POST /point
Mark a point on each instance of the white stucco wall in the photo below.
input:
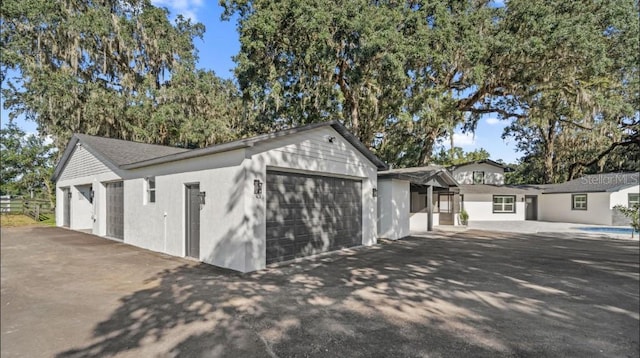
(622, 197)
(82, 213)
(419, 221)
(492, 174)
(557, 207)
(480, 208)
(393, 209)
(161, 226)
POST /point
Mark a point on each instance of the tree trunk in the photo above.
(549, 148)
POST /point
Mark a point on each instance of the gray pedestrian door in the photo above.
(192, 219)
(66, 207)
(115, 210)
(531, 207)
(308, 214)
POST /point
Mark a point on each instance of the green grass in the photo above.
(23, 220)
(51, 221)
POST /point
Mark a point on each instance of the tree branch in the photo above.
(572, 168)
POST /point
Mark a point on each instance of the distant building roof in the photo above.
(131, 155)
(606, 182)
(498, 189)
(484, 161)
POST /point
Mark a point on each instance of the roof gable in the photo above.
(114, 152)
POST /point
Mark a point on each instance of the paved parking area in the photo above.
(470, 294)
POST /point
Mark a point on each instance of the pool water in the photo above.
(610, 230)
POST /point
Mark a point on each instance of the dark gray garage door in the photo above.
(115, 210)
(308, 214)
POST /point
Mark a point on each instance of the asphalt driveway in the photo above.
(470, 294)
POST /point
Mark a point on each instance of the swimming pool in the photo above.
(608, 230)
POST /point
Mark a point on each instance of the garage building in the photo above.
(239, 205)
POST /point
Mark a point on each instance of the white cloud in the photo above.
(492, 120)
(462, 140)
(47, 139)
(188, 8)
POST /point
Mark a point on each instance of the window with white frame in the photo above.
(504, 204)
(579, 202)
(634, 199)
(151, 189)
(478, 177)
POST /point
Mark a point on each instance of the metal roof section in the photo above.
(132, 155)
(595, 183)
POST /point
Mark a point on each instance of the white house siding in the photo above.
(76, 176)
(557, 207)
(492, 174)
(82, 164)
(480, 208)
(307, 152)
(393, 209)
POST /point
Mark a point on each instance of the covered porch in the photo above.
(416, 199)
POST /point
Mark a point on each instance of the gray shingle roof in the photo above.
(498, 189)
(247, 142)
(123, 152)
(420, 175)
(130, 155)
(606, 182)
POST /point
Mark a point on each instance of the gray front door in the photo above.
(115, 210)
(309, 214)
(66, 207)
(531, 207)
(192, 220)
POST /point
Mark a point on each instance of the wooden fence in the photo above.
(38, 209)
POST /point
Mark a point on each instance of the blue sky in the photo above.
(220, 43)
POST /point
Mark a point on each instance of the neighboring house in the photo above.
(480, 172)
(590, 199)
(239, 205)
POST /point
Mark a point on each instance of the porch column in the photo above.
(429, 208)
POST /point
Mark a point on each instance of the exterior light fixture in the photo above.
(331, 139)
(257, 187)
(201, 196)
(375, 192)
